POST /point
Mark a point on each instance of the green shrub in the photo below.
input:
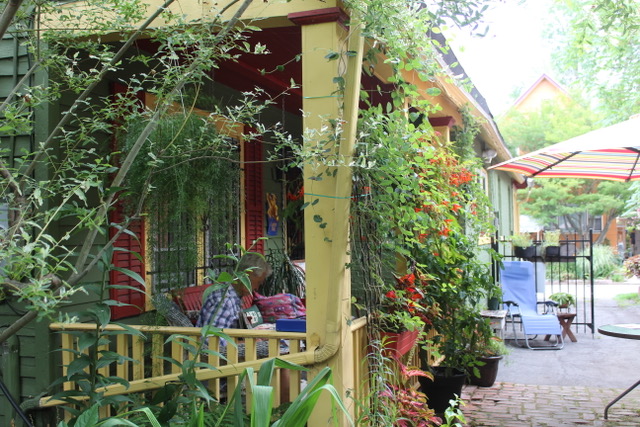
(605, 263)
(626, 300)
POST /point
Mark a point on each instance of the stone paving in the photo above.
(519, 405)
(570, 387)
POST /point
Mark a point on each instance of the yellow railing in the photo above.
(360, 360)
(147, 371)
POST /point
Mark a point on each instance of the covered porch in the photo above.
(324, 51)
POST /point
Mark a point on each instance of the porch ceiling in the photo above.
(273, 71)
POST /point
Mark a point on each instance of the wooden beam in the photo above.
(447, 121)
(319, 16)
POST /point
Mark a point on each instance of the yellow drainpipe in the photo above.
(343, 191)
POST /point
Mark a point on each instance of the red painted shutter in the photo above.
(124, 259)
(130, 261)
(254, 202)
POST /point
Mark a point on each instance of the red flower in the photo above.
(408, 279)
(391, 294)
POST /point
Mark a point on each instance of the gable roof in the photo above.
(538, 83)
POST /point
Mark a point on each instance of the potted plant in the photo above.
(458, 331)
(523, 246)
(402, 335)
(551, 243)
(564, 299)
(494, 299)
(489, 353)
(457, 325)
(400, 316)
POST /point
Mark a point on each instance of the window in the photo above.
(178, 249)
(597, 223)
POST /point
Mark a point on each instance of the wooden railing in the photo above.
(360, 360)
(147, 371)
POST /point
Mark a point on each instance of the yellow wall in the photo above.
(271, 13)
(544, 90)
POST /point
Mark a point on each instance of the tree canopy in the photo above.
(596, 50)
(575, 203)
(597, 46)
(556, 120)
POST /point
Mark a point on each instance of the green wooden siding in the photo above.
(34, 370)
(502, 196)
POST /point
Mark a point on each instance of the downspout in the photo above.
(343, 188)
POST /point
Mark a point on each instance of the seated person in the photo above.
(226, 303)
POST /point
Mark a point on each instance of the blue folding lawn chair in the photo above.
(520, 301)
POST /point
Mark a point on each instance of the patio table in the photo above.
(566, 320)
(629, 331)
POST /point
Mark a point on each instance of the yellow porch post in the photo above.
(328, 192)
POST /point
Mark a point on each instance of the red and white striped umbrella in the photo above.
(611, 153)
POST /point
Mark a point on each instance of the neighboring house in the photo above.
(546, 89)
(294, 27)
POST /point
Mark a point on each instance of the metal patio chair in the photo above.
(520, 301)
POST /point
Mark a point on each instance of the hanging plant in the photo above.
(186, 159)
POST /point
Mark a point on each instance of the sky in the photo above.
(511, 56)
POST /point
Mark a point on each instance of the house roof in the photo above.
(469, 94)
(543, 78)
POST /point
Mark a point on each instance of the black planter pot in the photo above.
(488, 371)
(493, 303)
(443, 388)
(552, 251)
(528, 252)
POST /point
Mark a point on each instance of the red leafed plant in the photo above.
(412, 406)
(632, 265)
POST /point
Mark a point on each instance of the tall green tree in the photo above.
(58, 190)
(556, 120)
(575, 203)
(572, 202)
(597, 47)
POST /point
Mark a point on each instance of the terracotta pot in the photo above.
(488, 371)
(398, 344)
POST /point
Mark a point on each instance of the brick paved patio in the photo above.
(518, 405)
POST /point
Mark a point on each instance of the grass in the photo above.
(626, 300)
